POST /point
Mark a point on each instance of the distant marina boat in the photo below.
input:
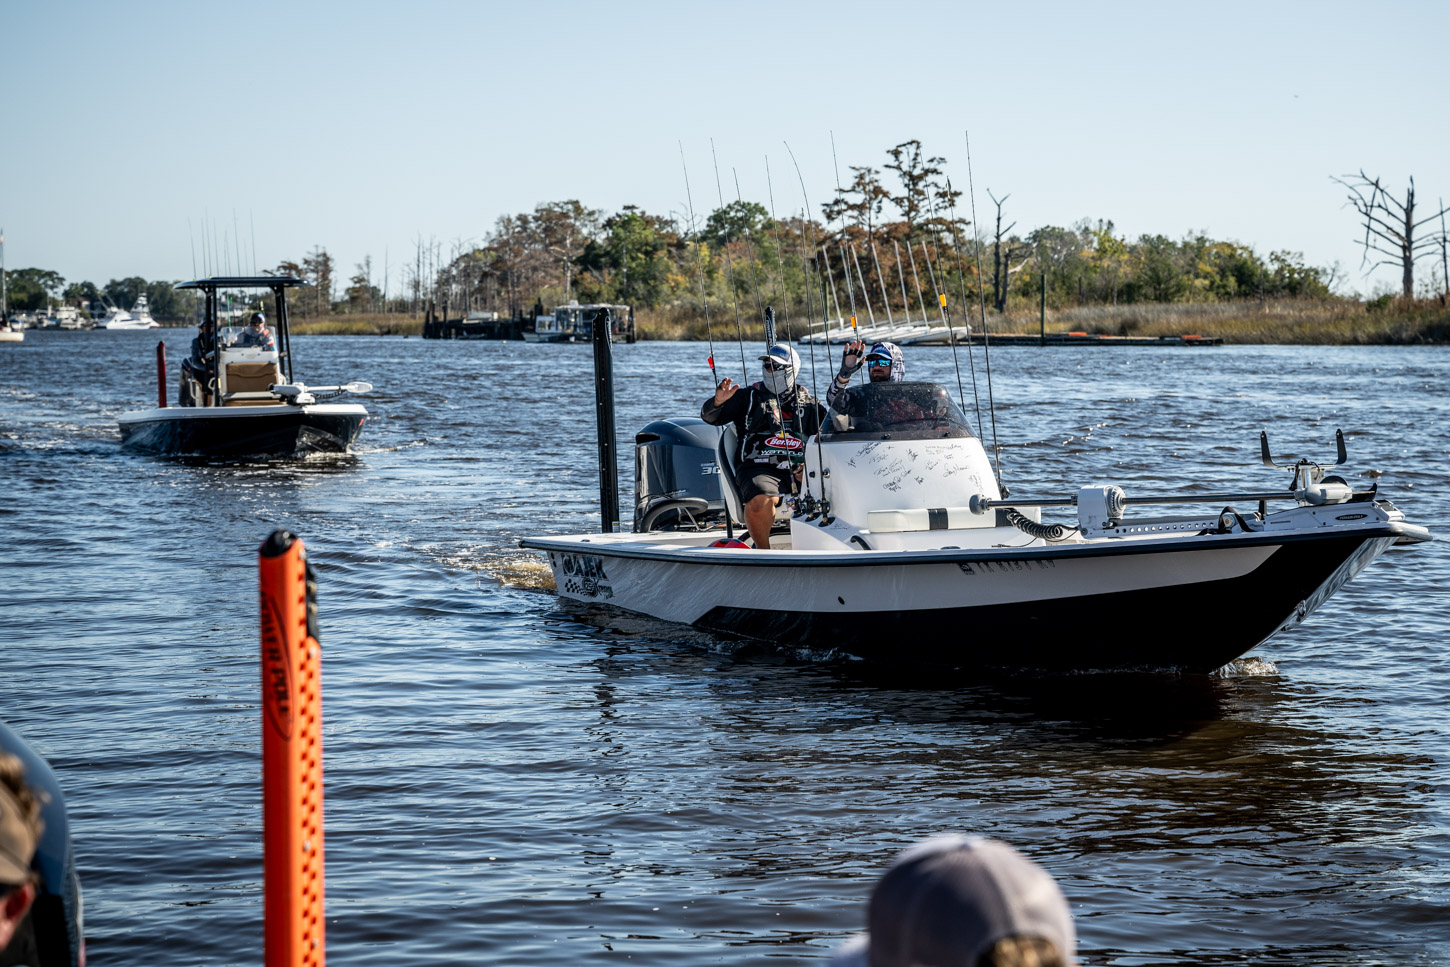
(238, 397)
(11, 334)
(66, 317)
(138, 318)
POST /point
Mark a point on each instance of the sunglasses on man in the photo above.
(878, 362)
(770, 367)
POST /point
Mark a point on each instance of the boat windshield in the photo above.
(895, 411)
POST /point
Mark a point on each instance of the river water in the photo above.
(509, 783)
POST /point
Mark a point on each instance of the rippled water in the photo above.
(512, 781)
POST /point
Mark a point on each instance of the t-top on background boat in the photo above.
(240, 399)
(903, 550)
(138, 318)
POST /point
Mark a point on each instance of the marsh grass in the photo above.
(359, 325)
(1285, 322)
(1335, 322)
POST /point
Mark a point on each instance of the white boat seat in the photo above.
(726, 449)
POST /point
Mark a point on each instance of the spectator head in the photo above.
(963, 900)
(19, 832)
(885, 363)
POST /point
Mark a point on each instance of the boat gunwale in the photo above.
(612, 546)
(173, 413)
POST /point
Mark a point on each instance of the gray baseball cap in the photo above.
(948, 900)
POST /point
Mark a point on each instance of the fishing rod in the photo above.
(840, 321)
(982, 301)
(825, 505)
(796, 420)
(941, 296)
(865, 292)
(780, 292)
(730, 270)
(916, 279)
(881, 283)
(699, 267)
(841, 222)
(754, 275)
(901, 277)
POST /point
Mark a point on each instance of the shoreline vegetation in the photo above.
(1296, 322)
(890, 236)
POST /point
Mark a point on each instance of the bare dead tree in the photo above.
(1444, 256)
(1002, 267)
(1390, 226)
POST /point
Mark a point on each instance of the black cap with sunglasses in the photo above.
(878, 361)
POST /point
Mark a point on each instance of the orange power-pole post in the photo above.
(292, 854)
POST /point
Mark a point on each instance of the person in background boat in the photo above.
(885, 363)
(256, 334)
(773, 418)
(197, 366)
(964, 900)
(20, 828)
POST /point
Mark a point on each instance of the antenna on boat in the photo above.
(982, 301)
(699, 265)
(192, 236)
(730, 271)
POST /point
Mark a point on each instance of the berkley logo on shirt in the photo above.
(784, 441)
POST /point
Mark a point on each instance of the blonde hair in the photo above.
(1022, 952)
(12, 777)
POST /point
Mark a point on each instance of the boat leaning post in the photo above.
(600, 331)
(161, 375)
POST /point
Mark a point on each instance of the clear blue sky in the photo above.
(362, 126)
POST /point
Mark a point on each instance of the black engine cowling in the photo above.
(676, 476)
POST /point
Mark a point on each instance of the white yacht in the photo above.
(138, 318)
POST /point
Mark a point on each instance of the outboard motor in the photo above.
(676, 476)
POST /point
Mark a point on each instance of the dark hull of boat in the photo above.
(295, 432)
(1188, 628)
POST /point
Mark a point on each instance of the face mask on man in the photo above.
(778, 378)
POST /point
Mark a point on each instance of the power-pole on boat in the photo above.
(237, 395)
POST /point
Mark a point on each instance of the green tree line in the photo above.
(888, 241)
(33, 289)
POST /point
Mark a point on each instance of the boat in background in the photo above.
(9, 333)
(138, 318)
(241, 400)
(574, 323)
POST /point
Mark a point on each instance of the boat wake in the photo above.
(511, 569)
(1251, 666)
